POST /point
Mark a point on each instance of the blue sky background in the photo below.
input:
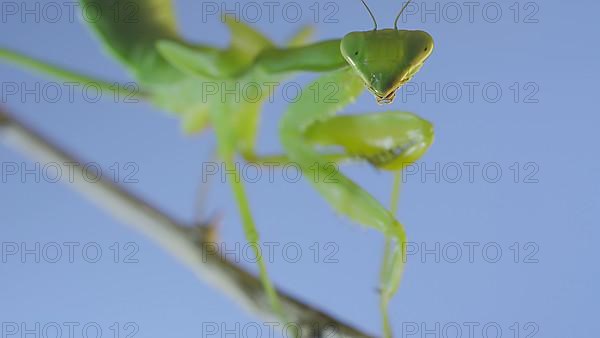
(550, 129)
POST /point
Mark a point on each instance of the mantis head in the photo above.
(386, 59)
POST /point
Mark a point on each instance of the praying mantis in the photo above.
(172, 74)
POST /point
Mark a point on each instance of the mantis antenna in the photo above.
(371, 13)
(399, 14)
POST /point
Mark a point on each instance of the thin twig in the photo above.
(186, 243)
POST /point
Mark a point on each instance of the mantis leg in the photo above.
(345, 196)
(388, 263)
(388, 140)
(221, 117)
(64, 74)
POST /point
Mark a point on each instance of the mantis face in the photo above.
(386, 59)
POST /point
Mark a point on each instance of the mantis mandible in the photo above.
(173, 73)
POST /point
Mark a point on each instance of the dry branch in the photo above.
(182, 241)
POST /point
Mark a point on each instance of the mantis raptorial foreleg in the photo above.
(308, 123)
(387, 140)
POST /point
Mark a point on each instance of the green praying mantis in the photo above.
(173, 73)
